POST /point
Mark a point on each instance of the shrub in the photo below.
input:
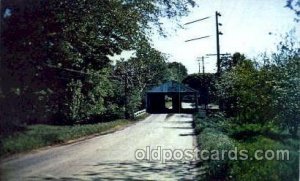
(212, 138)
(215, 141)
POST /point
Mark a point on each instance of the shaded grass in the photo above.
(37, 136)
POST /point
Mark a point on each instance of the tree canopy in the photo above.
(266, 91)
(54, 56)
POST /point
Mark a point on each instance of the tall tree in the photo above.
(177, 71)
(54, 53)
(147, 69)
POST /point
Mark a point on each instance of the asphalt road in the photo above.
(112, 156)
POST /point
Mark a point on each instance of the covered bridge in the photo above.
(172, 97)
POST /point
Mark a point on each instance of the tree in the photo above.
(54, 53)
(228, 62)
(246, 93)
(204, 83)
(287, 83)
(267, 93)
(136, 75)
(177, 71)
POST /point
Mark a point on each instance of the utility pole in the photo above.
(203, 71)
(198, 60)
(218, 42)
(220, 54)
(124, 76)
(126, 114)
(201, 59)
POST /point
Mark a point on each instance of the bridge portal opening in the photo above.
(188, 101)
(172, 97)
(168, 102)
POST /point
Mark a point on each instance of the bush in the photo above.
(212, 138)
(214, 121)
(215, 141)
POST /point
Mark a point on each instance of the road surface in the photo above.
(112, 156)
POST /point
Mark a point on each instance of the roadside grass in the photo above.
(218, 133)
(141, 117)
(37, 136)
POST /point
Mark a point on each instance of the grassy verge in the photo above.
(37, 136)
(219, 134)
(141, 117)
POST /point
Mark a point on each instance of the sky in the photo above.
(248, 26)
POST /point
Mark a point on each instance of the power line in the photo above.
(197, 38)
(197, 20)
(211, 54)
(218, 33)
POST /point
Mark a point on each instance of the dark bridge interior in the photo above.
(172, 97)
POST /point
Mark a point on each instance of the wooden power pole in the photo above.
(218, 42)
(203, 71)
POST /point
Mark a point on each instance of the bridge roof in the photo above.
(172, 87)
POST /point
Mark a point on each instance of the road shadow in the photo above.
(182, 122)
(185, 116)
(136, 170)
(169, 116)
(188, 134)
(178, 127)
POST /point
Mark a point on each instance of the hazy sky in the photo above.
(249, 26)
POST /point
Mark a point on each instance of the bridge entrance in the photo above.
(172, 97)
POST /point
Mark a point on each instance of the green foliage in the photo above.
(215, 141)
(177, 71)
(211, 138)
(286, 84)
(241, 88)
(213, 122)
(138, 74)
(54, 57)
(228, 63)
(264, 94)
